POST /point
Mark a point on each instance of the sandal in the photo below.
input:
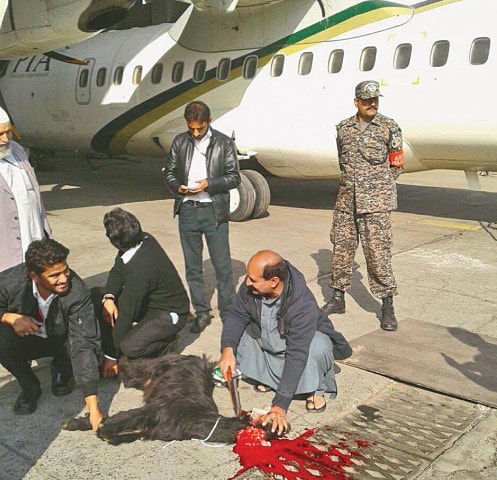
(261, 388)
(310, 406)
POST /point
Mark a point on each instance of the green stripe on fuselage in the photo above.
(114, 137)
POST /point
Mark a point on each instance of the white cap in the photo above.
(4, 118)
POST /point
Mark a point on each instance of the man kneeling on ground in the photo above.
(144, 304)
(46, 311)
(280, 338)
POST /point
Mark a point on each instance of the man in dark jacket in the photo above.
(280, 338)
(144, 304)
(46, 311)
(201, 169)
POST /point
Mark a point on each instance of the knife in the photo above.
(232, 382)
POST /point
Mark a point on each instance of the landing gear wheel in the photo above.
(242, 200)
(262, 192)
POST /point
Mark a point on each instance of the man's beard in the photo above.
(5, 150)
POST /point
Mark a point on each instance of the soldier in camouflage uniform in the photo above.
(371, 158)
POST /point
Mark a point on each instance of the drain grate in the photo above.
(392, 437)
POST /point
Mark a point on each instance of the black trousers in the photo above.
(16, 353)
(149, 338)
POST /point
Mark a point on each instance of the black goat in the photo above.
(178, 403)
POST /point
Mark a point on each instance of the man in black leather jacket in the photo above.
(201, 169)
(46, 311)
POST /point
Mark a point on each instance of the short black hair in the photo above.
(44, 253)
(197, 111)
(122, 228)
(278, 269)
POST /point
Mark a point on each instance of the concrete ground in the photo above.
(445, 263)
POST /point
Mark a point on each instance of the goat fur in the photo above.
(178, 403)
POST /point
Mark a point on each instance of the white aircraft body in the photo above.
(278, 76)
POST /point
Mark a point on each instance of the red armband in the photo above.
(396, 159)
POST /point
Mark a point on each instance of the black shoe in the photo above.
(388, 321)
(336, 304)
(62, 384)
(27, 401)
(202, 320)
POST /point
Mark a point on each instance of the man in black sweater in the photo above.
(144, 304)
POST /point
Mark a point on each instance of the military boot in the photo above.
(336, 304)
(388, 320)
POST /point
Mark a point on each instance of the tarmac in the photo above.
(444, 259)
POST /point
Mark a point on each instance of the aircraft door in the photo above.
(83, 82)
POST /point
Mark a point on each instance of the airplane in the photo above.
(278, 76)
(29, 27)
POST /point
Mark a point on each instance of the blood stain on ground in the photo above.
(296, 459)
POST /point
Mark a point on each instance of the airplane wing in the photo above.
(29, 27)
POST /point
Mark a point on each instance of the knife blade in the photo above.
(232, 382)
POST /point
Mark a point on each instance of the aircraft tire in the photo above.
(242, 200)
(262, 192)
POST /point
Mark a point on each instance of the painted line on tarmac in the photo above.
(446, 224)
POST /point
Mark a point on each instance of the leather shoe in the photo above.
(27, 401)
(336, 304)
(388, 321)
(202, 320)
(62, 384)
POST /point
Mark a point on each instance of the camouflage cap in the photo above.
(368, 89)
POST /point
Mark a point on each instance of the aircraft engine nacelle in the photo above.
(29, 27)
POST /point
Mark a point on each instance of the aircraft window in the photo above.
(101, 74)
(137, 75)
(118, 75)
(305, 63)
(178, 72)
(157, 73)
(368, 59)
(402, 56)
(480, 48)
(199, 71)
(277, 65)
(83, 78)
(439, 53)
(335, 62)
(250, 67)
(223, 69)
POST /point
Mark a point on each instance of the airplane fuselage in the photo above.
(278, 78)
